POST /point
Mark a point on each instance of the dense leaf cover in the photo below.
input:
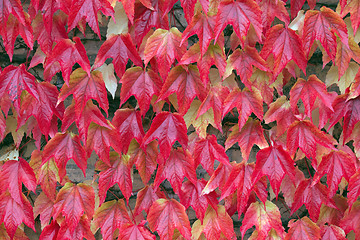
(196, 81)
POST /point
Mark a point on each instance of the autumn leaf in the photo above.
(120, 172)
(332, 232)
(46, 174)
(186, 83)
(251, 133)
(15, 173)
(109, 217)
(216, 223)
(166, 215)
(264, 217)
(145, 198)
(162, 125)
(304, 228)
(72, 202)
(81, 230)
(322, 25)
(351, 219)
(207, 151)
(240, 14)
(50, 231)
(275, 163)
(146, 18)
(120, 48)
(165, 46)
(87, 10)
(203, 26)
(271, 9)
(43, 206)
(85, 87)
(43, 108)
(145, 161)
(352, 7)
(305, 135)
(312, 195)
(136, 231)
(13, 80)
(66, 53)
(336, 164)
(218, 178)
(243, 61)
(178, 165)
(100, 139)
(215, 100)
(63, 147)
(285, 45)
(14, 212)
(191, 196)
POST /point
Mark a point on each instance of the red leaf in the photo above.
(275, 163)
(145, 198)
(167, 127)
(120, 172)
(47, 174)
(308, 91)
(203, 26)
(11, 7)
(47, 8)
(243, 61)
(305, 135)
(176, 167)
(351, 220)
(129, 7)
(2, 126)
(12, 29)
(136, 232)
(332, 232)
(207, 151)
(120, 48)
(85, 87)
(42, 109)
(271, 9)
(240, 179)
(100, 139)
(344, 53)
(147, 18)
(50, 232)
(353, 188)
(245, 102)
(43, 206)
(49, 31)
(66, 53)
(295, 7)
(143, 84)
(304, 228)
(63, 147)
(13, 173)
(186, 83)
(13, 80)
(336, 164)
(188, 7)
(352, 7)
(81, 230)
(251, 133)
(87, 11)
(280, 111)
(14, 212)
(217, 224)
(215, 100)
(145, 161)
(72, 202)
(264, 217)
(191, 196)
(285, 45)
(165, 46)
(90, 113)
(167, 215)
(218, 178)
(240, 15)
(312, 196)
(111, 216)
(214, 55)
(322, 25)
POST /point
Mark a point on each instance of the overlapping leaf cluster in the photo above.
(243, 60)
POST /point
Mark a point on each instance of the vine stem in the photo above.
(308, 168)
(288, 209)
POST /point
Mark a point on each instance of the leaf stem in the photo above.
(308, 168)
